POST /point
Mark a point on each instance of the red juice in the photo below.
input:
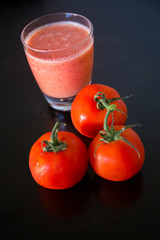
(61, 58)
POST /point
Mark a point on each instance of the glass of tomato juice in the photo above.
(59, 48)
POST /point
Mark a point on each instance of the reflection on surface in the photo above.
(68, 202)
(118, 194)
(62, 117)
(66, 124)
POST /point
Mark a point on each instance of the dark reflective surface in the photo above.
(127, 57)
(119, 195)
(67, 203)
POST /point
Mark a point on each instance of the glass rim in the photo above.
(60, 49)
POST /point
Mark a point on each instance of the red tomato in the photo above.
(117, 160)
(85, 115)
(62, 169)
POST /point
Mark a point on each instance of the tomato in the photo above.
(88, 115)
(117, 153)
(58, 160)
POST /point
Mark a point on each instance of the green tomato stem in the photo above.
(103, 102)
(111, 108)
(110, 134)
(54, 134)
(54, 145)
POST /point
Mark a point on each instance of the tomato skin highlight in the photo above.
(60, 170)
(117, 160)
(85, 115)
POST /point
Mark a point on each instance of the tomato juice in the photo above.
(61, 57)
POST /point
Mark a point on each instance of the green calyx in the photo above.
(110, 134)
(104, 103)
(54, 145)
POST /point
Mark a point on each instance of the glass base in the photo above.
(61, 104)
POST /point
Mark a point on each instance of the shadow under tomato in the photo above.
(90, 129)
(66, 203)
(118, 194)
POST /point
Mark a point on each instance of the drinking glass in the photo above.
(63, 71)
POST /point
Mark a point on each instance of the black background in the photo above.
(127, 58)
